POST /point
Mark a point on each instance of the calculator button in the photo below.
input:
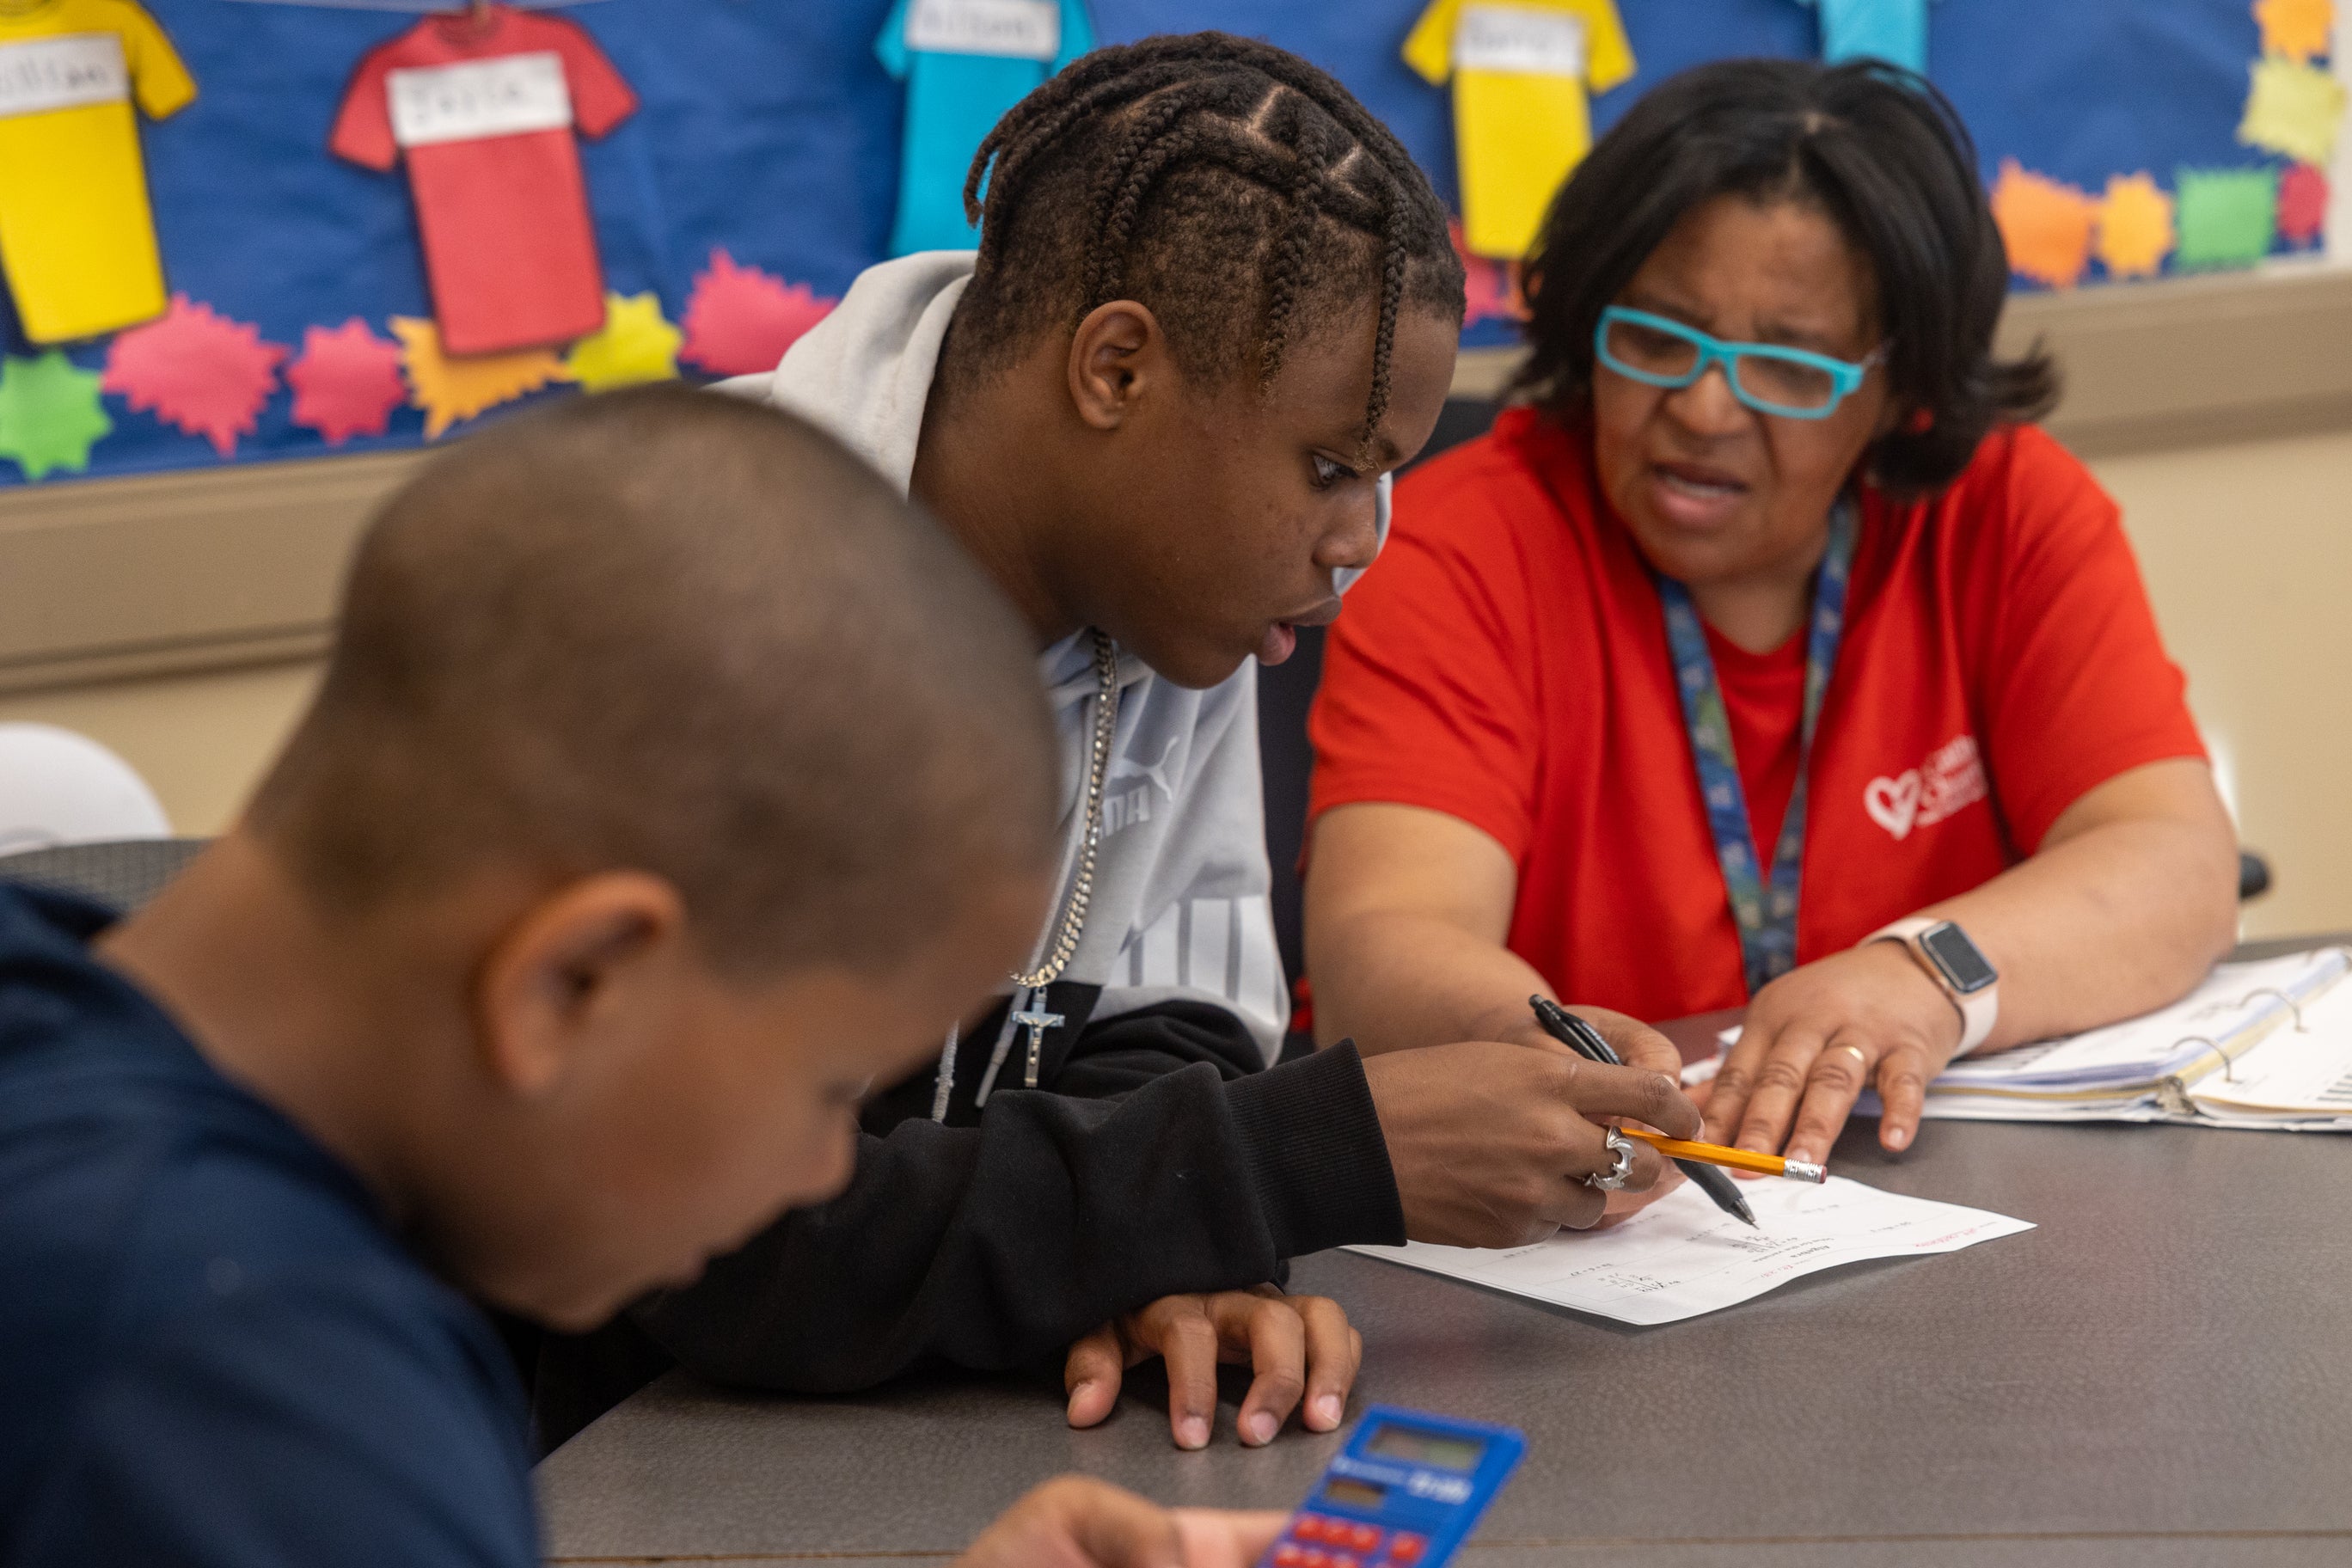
(1406, 1547)
(1289, 1555)
(1342, 1560)
(1308, 1528)
(1365, 1538)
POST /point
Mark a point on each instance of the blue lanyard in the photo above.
(1767, 918)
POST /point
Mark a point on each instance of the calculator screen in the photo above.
(1439, 1450)
(1349, 1492)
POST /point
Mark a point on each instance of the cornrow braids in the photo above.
(1242, 194)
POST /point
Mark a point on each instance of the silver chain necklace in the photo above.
(1073, 922)
(1082, 887)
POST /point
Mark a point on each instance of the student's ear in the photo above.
(1117, 354)
(579, 963)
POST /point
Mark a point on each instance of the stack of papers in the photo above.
(1682, 1255)
(2267, 1044)
(2264, 1044)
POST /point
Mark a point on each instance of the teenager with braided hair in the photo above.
(1214, 305)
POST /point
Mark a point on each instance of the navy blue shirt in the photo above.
(213, 1349)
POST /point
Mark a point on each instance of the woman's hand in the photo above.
(1296, 1345)
(1076, 1522)
(1819, 1036)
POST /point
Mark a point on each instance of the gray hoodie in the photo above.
(1180, 910)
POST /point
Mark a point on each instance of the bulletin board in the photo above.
(764, 147)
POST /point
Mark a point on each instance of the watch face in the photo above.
(1950, 949)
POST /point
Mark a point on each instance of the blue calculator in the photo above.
(1405, 1493)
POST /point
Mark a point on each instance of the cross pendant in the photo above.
(1036, 1020)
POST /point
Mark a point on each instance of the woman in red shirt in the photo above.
(1767, 623)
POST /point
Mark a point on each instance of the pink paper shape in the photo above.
(2302, 204)
(204, 373)
(347, 382)
(741, 320)
(1491, 287)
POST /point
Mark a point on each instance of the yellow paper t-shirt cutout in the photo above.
(1521, 119)
(76, 237)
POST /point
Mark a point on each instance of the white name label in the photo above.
(504, 96)
(71, 72)
(1017, 29)
(1519, 41)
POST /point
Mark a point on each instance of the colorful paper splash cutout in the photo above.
(2135, 231)
(2294, 110)
(347, 382)
(741, 320)
(2303, 205)
(636, 344)
(2046, 225)
(450, 389)
(197, 370)
(2228, 216)
(1490, 288)
(50, 416)
(2296, 29)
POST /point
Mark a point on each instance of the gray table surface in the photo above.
(2160, 1375)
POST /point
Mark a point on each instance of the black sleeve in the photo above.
(1119, 1055)
(993, 1247)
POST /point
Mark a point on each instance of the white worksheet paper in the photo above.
(1682, 1255)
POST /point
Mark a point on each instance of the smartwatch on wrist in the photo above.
(1955, 963)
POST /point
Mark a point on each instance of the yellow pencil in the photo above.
(1738, 1159)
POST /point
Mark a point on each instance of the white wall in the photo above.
(2248, 554)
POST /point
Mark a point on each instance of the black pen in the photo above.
(1585, 1040)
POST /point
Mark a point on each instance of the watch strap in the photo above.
(1978, 1010)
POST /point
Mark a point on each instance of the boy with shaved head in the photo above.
(661, 744)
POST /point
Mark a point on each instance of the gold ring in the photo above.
(1857, 1055)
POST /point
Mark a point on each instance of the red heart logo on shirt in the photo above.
(1894, 803)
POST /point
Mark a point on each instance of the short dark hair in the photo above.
(1240, 193)
(680, 633)
(1878, 150)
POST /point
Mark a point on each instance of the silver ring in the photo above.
(1857, 1055)
(1613, 1178)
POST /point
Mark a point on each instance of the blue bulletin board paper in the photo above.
(770, 129)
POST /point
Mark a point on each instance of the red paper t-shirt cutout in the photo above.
(510, 247)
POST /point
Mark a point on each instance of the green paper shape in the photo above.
(2227, 217)
(49, 413)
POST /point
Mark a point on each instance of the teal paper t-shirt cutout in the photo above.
(1891, 30)
(953, 102)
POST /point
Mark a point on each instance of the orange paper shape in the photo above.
(449, 389)
(2303, 205)
(2135, 231)
(741, 320)
(2296, 29)
(199, 371)
(2046, 225)
(347, 382)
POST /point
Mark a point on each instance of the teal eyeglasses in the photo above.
(1790, 383)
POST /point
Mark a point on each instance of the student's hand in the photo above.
(1819, 1036)
(1076, 1521)
(1636, 1044)
(1491, 1142)
(1296, 1344)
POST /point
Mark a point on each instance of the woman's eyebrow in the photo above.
(1798, 337)
(1658, 305)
